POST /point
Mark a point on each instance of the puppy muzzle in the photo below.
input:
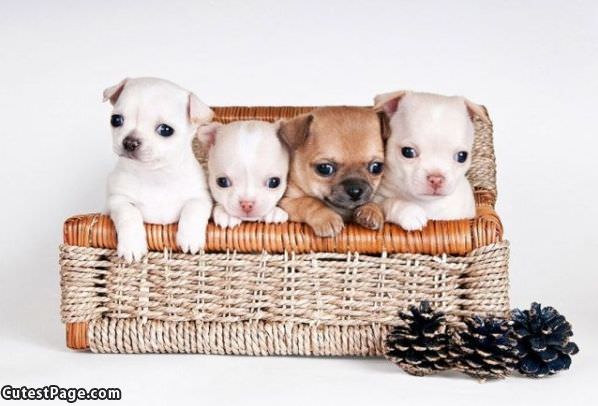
(350, 193)
(132, 147)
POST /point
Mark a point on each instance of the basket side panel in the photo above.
(484, 286)
(341, 302)
(83, 283)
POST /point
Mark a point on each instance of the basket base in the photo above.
(235, 338)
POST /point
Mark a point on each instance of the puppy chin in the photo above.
(344, 204)
(431, 194)
(255, 215)
(137, 156)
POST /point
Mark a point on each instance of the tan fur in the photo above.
(349, 137)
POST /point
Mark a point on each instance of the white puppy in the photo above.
(247, 171)
(157, 178)
(427, 156)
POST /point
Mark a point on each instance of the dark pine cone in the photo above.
(485, 349)
(420, 345)
(543, 344)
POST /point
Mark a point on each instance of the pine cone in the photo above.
(543, 344)
(485, 349)
(420, 345)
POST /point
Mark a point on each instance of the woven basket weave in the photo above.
(278, 289)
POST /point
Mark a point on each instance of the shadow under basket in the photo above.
(277, 289)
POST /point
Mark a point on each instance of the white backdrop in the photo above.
(534, 65)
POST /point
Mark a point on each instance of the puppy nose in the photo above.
(354, 191)
(246, 205)
(130, 144)
(435, 181)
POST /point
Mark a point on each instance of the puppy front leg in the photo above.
(276, 215)
(128, 221)
(191, 234)
(409, 216)
(369, 215)
(324, 221)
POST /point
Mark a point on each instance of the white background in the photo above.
(534, 65)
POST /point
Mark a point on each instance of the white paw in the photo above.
(276, 215)
(191, 236)
(411, 217)
(132, 243)
(223, 219)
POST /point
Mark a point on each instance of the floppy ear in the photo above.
(112, 93)
(384, 125)
(206, 134)
(294, 132)
(388, 102)
(476, 110)
(199, 112)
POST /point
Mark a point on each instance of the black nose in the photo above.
(130, 144)
(354, 191)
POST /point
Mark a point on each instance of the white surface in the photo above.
(532, 64)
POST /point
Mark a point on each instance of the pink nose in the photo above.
(435, 181)
(246, 205)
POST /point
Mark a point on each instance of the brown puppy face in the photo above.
(337, 154)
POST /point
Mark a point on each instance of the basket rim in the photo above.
(454, 237)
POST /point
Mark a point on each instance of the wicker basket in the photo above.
(278, 289)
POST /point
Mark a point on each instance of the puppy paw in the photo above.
(276, 215)
(369, 216)
(411, 217)
(132, 243)
(223, 219)
(326, 223)
(191, 237)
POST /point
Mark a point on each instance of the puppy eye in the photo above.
(409, 152)
(325, 169)
(376, 168)
(461, 156)
(223, 182)
(273, 183)
(164, 130)
(117, 120)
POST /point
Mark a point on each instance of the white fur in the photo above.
(437, 127)
(163, 182)
(248, 153)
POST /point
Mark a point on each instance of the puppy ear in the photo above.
(294, 132)
(112, 93)
(476, 110)
(199, 112)
(384, 125)
(206, 134)
(388, 102)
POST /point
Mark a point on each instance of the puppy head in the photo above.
(247, 166)
(337, 154)
(153, 120)
(429, 149)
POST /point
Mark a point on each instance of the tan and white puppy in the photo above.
(247, 171)
(337, 160)
(427, 156)
(157, 178)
